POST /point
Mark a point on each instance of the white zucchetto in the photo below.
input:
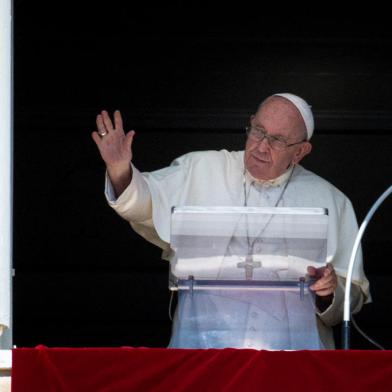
(304, 109)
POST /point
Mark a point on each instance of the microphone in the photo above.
(346, 314)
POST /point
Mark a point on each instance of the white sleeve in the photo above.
(333, 315)
(134, 204)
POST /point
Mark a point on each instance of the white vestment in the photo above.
(215, 178)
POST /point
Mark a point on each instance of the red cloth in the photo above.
(44, 369)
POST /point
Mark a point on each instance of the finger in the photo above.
(327, 272)
(325, 292)
(97, 139)
(330, 267)
(327, 283)
(107, 121)
(129, 139)
(118, 123)
(322, 285)
(325, 279)
(311, 270)
(100, 125)
(329, 275)
(319, 284)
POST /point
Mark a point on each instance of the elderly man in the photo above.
(267, 173)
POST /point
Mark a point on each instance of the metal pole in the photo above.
(347, 314)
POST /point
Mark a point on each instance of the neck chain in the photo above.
(249, 264)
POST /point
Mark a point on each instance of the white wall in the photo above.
(5, 171)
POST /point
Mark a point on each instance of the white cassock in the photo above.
(215, 178)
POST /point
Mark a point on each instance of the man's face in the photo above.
(277, 117)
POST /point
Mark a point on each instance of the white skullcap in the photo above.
(304, 109)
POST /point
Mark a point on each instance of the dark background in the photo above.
(185, 78)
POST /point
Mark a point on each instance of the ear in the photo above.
(304, 149)
(252, 117)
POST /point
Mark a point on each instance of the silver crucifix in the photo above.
(249, 266)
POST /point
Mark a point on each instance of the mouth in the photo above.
(260, 159)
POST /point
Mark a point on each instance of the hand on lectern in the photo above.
(326, 282)
(115, 148)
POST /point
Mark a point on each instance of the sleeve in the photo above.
(343, 234)
(135, 206)
(333, 315)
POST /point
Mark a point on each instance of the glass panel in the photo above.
(247, 243)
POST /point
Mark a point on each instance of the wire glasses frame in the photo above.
(275, 142)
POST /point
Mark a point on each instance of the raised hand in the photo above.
(115, 148)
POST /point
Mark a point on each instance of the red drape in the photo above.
(44, 369)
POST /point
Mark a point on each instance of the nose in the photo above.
(263, 144)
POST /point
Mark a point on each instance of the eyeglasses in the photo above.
(275, 142)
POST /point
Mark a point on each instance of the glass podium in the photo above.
(241, 276)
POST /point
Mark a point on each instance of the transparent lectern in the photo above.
(241, 276)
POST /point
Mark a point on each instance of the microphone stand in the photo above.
(346, 314)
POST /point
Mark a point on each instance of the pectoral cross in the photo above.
(249, 266)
